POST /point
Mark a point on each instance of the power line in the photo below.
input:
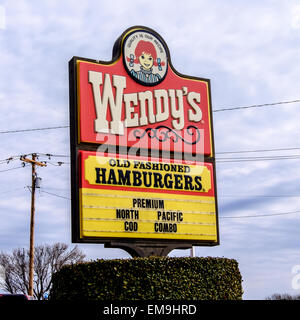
(257, 105)
(12, 190)
(220, 196)
(265, 158)
(50, 155)
(33, 129)
(229, 159)
(20, 157)
(254, 160)
(11, 158)
(222, 217)
(259, 150)
(17, 157)
(216, 110)
(7, 161)
(259, 196)
(261, 157)
(259, 215)
(14, 168)
(225, 217)
(219, 160)
(221, 152)
(54, 194)
(58, 164)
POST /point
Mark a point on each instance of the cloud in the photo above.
(248, 50)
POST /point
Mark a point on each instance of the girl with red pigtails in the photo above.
(146, 56)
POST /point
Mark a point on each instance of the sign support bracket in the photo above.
(147, 249)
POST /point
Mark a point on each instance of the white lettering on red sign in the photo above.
(165, 102)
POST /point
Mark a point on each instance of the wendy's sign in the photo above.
(139, 100)
(123, 193)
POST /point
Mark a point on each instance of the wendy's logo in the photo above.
(145, 57)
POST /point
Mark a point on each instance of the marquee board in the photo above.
(130, 197)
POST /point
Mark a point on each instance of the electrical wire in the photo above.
(259, 196)
(221, 152)
(50, 155)
(259, 215)
(54, 194)
(221, 217)
(227, 159)
(219, 160)
(19, 157)
(265, 158)
(58, 164)
(33, 129)
(257, 105)
(259, 150)
(216, 110)
(12, 190)
(14, 168)
(12, 158)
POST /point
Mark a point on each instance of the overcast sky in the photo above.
(249, 49)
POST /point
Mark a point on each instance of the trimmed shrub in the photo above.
(158, 278)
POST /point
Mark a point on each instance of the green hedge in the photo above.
(149, 278)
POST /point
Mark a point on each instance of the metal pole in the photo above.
(192, 252)
(31, 248)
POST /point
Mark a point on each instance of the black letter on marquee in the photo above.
(137, 181)
(198, 182)
(102, 175)
(124, 179)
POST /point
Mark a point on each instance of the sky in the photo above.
(248, 49)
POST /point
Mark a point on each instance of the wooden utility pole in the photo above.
(33, 163)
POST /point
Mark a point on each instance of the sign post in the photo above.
(142, 152)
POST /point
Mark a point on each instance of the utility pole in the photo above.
(33, 163)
